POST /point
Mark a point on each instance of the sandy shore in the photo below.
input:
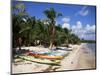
(79, 58)
(86, 59)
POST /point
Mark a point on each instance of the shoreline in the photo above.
(86, 59)
(78, 58)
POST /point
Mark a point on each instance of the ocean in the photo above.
(92, 47)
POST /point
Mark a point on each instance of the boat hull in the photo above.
(38, 60)
(46, 56)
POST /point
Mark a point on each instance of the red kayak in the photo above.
(46, 56)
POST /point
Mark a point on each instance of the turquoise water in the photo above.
(92, 47)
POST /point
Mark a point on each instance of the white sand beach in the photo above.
(79, 58)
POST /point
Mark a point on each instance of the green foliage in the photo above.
(31, 29)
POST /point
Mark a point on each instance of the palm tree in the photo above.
(74, 39)
(27, 28)
(18, 13)
(67, 35)
(51, 14)
(39, 31)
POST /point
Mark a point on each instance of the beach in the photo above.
(80, 57)
(86, 59)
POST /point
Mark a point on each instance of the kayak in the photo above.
(50, 57)
(38, 60)
(64, 48)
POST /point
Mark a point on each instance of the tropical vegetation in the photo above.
(30, 31)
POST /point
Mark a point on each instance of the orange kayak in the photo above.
(46, 56)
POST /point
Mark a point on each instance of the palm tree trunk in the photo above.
(19, 42)
(52, 36)
(51, 45)
(28, 36)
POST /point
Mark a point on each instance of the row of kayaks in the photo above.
(53, 58)
(44, 56)
(39, 60)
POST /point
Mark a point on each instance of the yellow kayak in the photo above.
(38, 60)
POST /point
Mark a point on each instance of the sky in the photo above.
(81, 19)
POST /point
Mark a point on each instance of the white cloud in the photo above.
(87, 32)
(66, 25)
(73, 27)
(90, 28)
(79, 24)
(77, 28)
(83, 12)
(66, 19)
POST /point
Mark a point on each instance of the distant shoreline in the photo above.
(88, 41)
